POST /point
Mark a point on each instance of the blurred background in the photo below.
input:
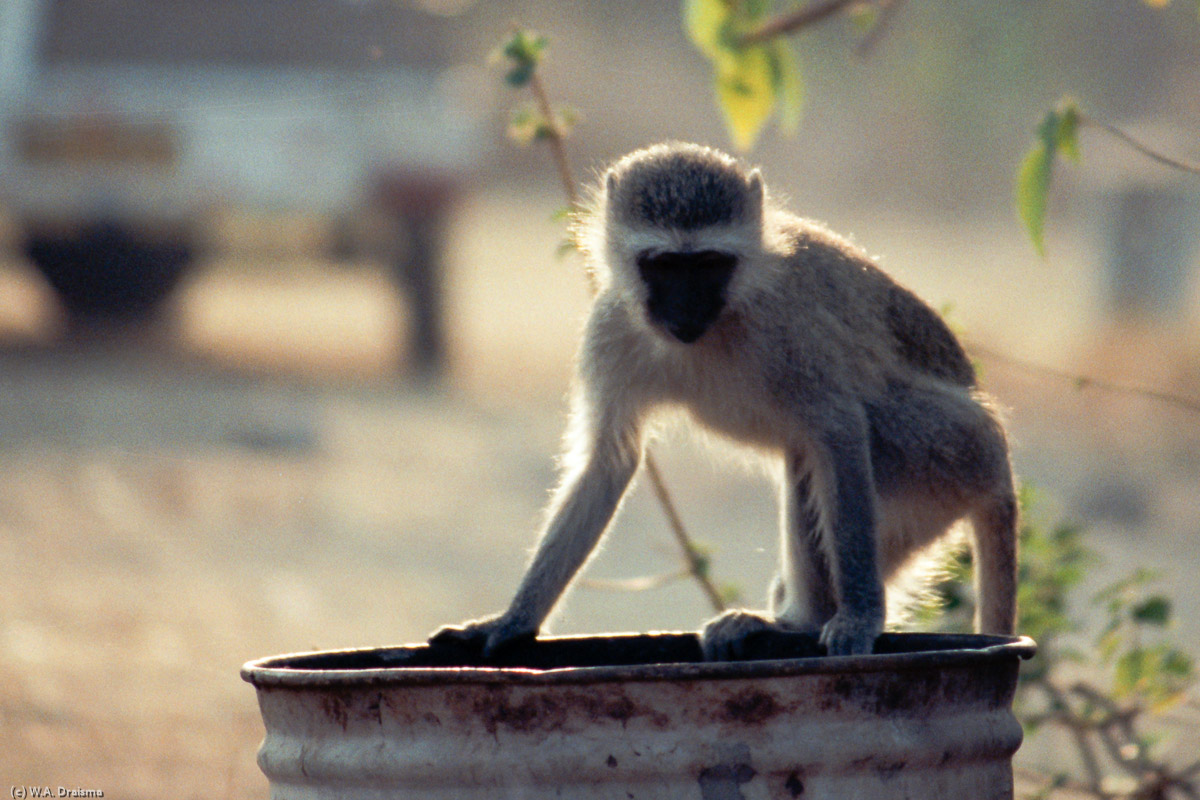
(284, 340)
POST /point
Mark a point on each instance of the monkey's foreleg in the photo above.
(849, 526)
(582, 508)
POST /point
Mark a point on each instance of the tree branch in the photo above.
(640, 584)
(1078, 729)
(1112, 130)
(558, 151)
(695, 563)
(1084, 381)
(558, 148)
(794, 21)
(887, 13)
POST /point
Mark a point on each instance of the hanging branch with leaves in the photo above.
(1058, 133)
(755, 73)
(756, 76)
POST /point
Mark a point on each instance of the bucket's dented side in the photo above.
(905, 729)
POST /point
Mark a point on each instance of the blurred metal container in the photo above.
(641, 716)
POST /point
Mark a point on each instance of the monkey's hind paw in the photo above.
(724, 638)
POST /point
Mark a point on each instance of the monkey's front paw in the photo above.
(848, 635)
(724, 637)
(485, 636)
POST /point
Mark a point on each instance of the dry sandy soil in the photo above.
(168, 510)
(255, 479)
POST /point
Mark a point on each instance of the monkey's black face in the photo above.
(686, 290)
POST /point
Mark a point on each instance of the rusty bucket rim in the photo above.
(270, 672)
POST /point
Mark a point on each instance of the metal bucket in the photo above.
(642, 716)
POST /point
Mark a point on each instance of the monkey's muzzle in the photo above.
(686, 290)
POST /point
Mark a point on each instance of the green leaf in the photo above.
(863, 16)
(751, 81)
(788, 85)
(565, 119)
(1107, 645)
(1129, 672)
(706, 23)
(701, 557)
(746, 93)
(731, 594)
(1053, 561)
(1178, 664)
(525, 46)
(520, 75)
(1033, 186)
(754, 10)
(1122, 590)
(1153, 611)
(1057, 133)
(565, 248)
(1066, 135)
(1159, 675)
(522, 52)
(527, 124)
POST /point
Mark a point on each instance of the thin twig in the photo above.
(558, 148)
(692, 558)
(1085, 382)
(694, 561)
(794, 21)
(641, 584)
(558, 152)
(1112, 130)
(887, 13)
(1078, 729)
(1115, 731)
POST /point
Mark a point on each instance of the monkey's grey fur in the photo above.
(777, 333)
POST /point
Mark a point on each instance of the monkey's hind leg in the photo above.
(995, 523)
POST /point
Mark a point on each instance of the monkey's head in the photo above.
(675, 221)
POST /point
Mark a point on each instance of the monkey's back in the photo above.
(846, 282)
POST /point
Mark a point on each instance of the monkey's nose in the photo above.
(687, 332)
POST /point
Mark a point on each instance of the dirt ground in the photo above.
(258, 477)
(171, 508)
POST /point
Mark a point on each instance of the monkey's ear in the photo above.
(754, 197)
(610, 182)
(754, 188)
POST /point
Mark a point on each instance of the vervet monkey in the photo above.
(775, 332)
